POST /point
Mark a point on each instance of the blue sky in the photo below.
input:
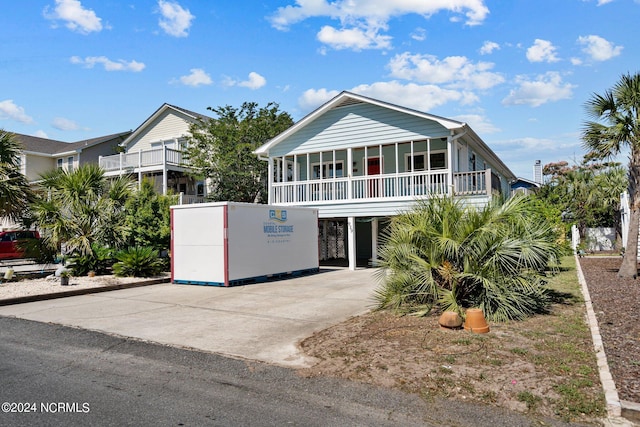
(518, 71)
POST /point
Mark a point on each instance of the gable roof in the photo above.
(164, 107)
(345, 98)
(348, 98)
(35, 144)
(51, 147)
(86, 143)
(525, 182)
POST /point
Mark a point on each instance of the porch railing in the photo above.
(472, 183)
(403, 185)
(142, 159)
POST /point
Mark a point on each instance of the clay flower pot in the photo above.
(450, 320)
(475, 321)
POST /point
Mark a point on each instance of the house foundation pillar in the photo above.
(351, 241)
(374, 242)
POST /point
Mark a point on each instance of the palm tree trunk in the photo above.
(629, 267)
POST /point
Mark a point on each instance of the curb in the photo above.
(615, 408)
(85, 291)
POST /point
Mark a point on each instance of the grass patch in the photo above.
(551, 352)
(531, 400)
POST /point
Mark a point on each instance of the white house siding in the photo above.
(169, 125)
(383, 208)
(358, 126)
(37, 165)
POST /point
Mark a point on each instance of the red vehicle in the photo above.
(12, 243)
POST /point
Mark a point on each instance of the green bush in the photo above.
(445, 255)
(138, 261)
(98, 260)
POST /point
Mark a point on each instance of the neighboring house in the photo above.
(154, 151)
(360, 161)
(524, 186)
(40, 155)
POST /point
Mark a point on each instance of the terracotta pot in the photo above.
(450, 320)
(475, 321)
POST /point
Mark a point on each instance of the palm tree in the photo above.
(616, 126)
(15, 193)
(446, 255)
(80, 208)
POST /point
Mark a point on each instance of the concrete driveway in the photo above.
(263, 321)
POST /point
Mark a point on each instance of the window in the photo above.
(200, 188)
(70, 164)
(327, 170)
(438, 160)
(60, 163)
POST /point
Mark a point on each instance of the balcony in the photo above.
(143, 160)
(409, 185)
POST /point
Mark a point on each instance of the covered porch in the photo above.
(399, 171)
(166, 167)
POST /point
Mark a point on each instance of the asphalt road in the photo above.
(56, 375)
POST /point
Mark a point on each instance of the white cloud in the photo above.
(419, 97)
(488, 47)
(599, 49)
(454, 71)
(64, 124)
(109, 65)
(175, 20)
(76, 17)
(479, 123)
(255, 81)
(353, 38)
(420, 34)
(363, 20)
(313, 98)
(542, 51)
(545, 88)
(41, 134)
(9, 110)
(198, 77)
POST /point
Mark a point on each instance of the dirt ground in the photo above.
(543, 366)
(616, 302)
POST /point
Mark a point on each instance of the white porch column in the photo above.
(374, 242)
(450, 165)
(350, 173)
(164, 170)
(270, 181)
(140, 169)
(351, 242)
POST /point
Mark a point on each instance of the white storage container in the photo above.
(228, 243)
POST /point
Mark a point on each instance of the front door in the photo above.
(373, 168)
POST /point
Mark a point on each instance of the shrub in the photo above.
(446, 255)
(138, 261)
(98, 260)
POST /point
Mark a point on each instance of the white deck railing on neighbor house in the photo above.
(401, 185)
(142, 159)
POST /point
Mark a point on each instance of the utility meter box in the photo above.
(229, 243)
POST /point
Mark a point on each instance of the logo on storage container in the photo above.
(278, 215)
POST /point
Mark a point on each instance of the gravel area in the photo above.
(48, 285)
(616, 302)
